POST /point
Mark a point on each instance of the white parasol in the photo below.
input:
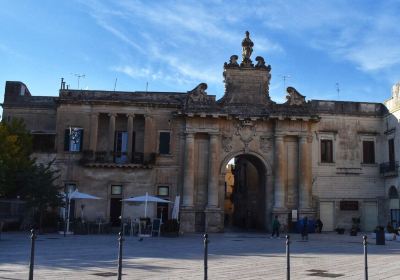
(77, 195)
(175, 210)
(146, 198)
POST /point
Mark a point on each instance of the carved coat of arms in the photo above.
(246, 130)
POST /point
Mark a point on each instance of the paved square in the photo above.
(231, 256)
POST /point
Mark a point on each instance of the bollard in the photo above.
(365, 258)
(287, 257)
(205, 255)
(32, 260)
(120, 240)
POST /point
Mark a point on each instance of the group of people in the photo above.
(303, 227)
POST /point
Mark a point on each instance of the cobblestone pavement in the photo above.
(231, 256)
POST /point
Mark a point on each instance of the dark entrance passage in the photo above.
(245, 194)
(115, 211)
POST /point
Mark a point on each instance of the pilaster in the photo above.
(94, 124)
(188, 175)
(279, 187)
(130, 135)
(111, 135)
(213, 171)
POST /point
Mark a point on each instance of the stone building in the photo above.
(319, 158)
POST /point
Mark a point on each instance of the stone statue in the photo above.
(247, 50)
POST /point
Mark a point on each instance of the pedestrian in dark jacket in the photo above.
(275, 227)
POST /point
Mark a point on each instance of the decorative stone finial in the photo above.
(247, 50)
(294, 97)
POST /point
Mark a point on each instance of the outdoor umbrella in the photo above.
(175, 210)
(146, 199)
(77, 195)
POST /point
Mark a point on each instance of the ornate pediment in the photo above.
(198, 96)
(294, 97)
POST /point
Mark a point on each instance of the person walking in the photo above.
(275, 227)
(304, 229)
(319, 225)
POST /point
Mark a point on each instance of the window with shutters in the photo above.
(43, 143)
(73, 139)
(368, 151)
(164, 143)
(326, 150)
(392, 157)
(121, 147)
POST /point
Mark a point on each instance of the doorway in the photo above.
(115, 205)
(245, 203)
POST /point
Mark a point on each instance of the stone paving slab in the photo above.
(231, 256)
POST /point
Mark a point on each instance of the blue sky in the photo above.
(175, 45)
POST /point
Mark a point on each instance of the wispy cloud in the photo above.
(172, 35)
(367, 37)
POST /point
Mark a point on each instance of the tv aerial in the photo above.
(79, 76)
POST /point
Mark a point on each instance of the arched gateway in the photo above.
(245, 193)
(271, 144)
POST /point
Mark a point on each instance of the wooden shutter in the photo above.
(66, 140)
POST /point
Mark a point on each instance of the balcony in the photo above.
(389, 169)
(117, 159)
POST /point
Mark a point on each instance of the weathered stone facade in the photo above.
(301, 155)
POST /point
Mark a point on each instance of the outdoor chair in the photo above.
(156, 227)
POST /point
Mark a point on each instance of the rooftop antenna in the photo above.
(79, 76)
(285, 77)
(337, 89)
(115, 83)
(147, 86)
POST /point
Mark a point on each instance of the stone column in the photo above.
(111, 135)
(130, 136)
(279, 188)
(305, 172)
(94, 124)
(148, 134)
(188, 175)
(213, 171)
(149, 138)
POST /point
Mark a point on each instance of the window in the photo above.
(69, 187)
(368, 152)
(121, 146)
(116, 190)
(163, 191)
(164, 143)
(43, 142)
(326, 150)
(349, 205)
(391, 151)
(73, 139)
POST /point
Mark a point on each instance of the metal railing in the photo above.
(389, 168)
(117, 157)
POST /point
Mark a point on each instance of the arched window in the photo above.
(393, 194)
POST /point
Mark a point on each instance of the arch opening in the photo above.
(245, 203)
